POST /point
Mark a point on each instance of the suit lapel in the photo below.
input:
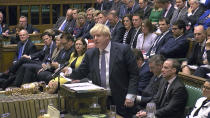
(113, 53)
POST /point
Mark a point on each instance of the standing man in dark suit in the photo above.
(171, 97)
(162, 39)
(155, 66)
(176, 47)
(136, 20)
(65, 24)
(116, 27)
(112, 66)
(4, 29)
(145, 8)
(24, 46)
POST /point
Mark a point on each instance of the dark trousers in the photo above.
(26, 73)
(44, 76)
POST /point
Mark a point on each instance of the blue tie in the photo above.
(103, 69)
(0, 29)
(63, 26)
(20, 52)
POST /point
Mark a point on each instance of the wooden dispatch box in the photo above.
(78, 103)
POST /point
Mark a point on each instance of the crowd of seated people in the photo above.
(157, 31)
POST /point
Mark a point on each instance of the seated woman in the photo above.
(80, 24)
(129, 29)
(156, 13)
(74, 62)
(146, 39)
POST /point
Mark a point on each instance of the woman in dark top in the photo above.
(129, 29)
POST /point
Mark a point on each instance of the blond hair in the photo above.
(101, 29)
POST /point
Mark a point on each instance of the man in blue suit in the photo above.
(176, 47)
(144, 71)
(112, 66)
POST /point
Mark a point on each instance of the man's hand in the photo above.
(141, 114)
(129, 103)
(75, 81)
(55, 64)
(208, 45)
(189, 10)
(26, 56)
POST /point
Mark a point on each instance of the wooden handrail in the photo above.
(192, 80)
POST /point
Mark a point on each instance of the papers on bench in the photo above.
(80, 87)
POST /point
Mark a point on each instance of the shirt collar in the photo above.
(171, 80)
(108, 48)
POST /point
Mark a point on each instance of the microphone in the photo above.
(54, 75)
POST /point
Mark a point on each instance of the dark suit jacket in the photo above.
(68, 27)
(196, 56)
(132, 10)
(194, 18)
(129, 36)
(29, 49)
(31, 29)
(86, 31)
(106, 6)
(162, 42)
(123, 72)
(64, 55)
(173, 101)
(117, 33)
(175, 48)
(150, 91)
(134, 38)
(169, 14)
(146, 12)
(4, 27)
(44, 54)
(144, 77)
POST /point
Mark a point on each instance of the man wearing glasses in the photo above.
(202, 106)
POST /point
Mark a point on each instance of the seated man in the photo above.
(198, 52)
(171, 97)
(203, 70)
(202, 106)
(155, 66)
(177, 47)
(144, 71)
(65, 24)
(24, 47)
(4, 29)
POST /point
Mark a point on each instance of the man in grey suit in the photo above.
(113, 66)
(180, 13)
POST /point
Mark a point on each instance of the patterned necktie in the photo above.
(103, 69)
